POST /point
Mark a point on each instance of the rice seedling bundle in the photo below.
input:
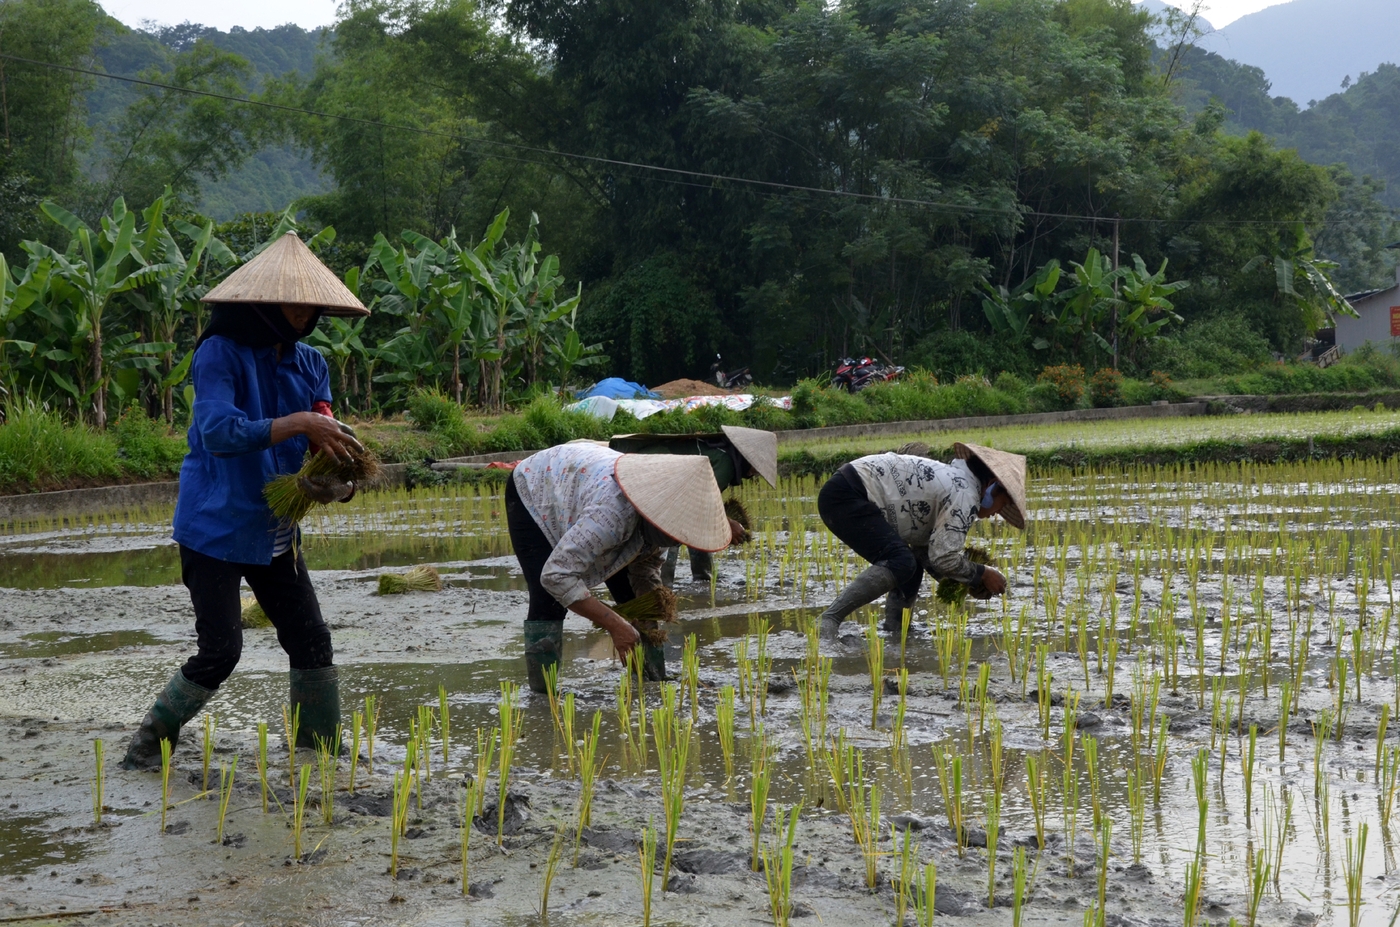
(287, 497)
(952, 592)
(648, 613)
(253, 614)
(421, 578)
(734, 508)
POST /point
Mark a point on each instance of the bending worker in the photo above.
(261, 397)
(735, 454)
(907, 514)
(580, 514)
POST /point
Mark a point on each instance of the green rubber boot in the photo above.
(176, 705)
(654, 662)
(315, 696)
(544, 642)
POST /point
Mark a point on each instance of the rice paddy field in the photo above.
(1181, 713)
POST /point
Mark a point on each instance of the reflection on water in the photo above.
(61, 643)
(26, 845)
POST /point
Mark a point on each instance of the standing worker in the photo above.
(261, 398)
(907, 514)
(580, 514)
(735, 454)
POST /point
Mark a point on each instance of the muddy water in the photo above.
(85, 642)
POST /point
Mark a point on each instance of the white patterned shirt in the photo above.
(929, 504)
(570, 492)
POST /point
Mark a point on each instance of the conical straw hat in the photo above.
(758, 447)
(677, 494)
(1010, 471)
(287, 272)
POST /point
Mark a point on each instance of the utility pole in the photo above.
(1115, 292)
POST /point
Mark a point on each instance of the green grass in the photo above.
(39, 451)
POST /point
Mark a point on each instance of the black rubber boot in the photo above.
(176, 705)
(315, 695)
(701, 563)
(864, 589)
(668, 569)
(895, 604)
(654, 662)
(544, 642)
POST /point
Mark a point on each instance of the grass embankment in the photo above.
(40, 452)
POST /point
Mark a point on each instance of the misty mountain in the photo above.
(1161, 9)
(1307, 48)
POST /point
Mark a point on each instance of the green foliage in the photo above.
(38, 451)
(1210, 347)
(147, 447)
(1066, 381)
(1105, 388)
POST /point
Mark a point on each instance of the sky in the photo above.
(1221, 13)
(251, 14)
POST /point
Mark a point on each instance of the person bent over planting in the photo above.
(735, 454)
(261, 398)
(581, 514)
(907, 515)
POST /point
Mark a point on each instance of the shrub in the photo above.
(145, 447)
(38, 451)
(1068, 382)
(1106, 387)
(1012, 385)
(1044, 397)
(1211, 347)
(444, 420)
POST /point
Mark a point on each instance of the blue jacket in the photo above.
(238, 391)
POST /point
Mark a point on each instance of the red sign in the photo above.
(1395, 321)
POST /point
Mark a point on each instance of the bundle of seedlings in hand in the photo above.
(290, 496)
(253, 615)
(648, 612)
(734, 508)
(952, 592)
(421, 578)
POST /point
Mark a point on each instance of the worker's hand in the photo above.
(325, 489)
(330, 436)
(737, 534)
(993, 582)
(625, 638)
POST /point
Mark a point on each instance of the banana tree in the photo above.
(1145, 308)
(1013, 314)
(1305, 280)
(340, 343)
(96, 267)
(16, 298)
(1090, 302)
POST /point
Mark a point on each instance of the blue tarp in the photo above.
(617, 388)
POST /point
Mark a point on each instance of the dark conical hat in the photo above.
(758, 447)
(287, 272)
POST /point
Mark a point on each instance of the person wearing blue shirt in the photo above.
(262, 399)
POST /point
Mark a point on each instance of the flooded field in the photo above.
(1180, 714)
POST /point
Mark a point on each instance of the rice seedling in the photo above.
(588, 766)
(567, 722)
(464, 832)
(1259, 871)
(953, 593)
(897, 738)
(421, 578)
(949, 768)
(924, 900)
(209, 726)
(650, 613)
(1355, 863)
(288, 498)
(444, 724)
(690, 673)
(327, 759)
(672, 756)
(875, 661)
(724, 722)
(165, 748)
(864, 805)
(1191, 896)
(511, 719)
(1247, 760)
(905, 876)
(993, 831)
(226, 774)
(291, 727)
(1381, 724)
(762, 663)
(371, 725)
(299, 809)
(759, 780)
(485, 753)
(1105, 834)
(777, 865)
(647, 852)
(262, 762)
(1198, 777)
(424, 726)
(252, 614)
(99, 780)
(551, 867)
(1137, 815)
(1018, 885)
(356, 722)
(398, 820)
(1035, 790)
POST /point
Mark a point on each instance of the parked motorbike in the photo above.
(855, 374)
(734, 379)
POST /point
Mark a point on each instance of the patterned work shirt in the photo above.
(570, 492)
(929, 504)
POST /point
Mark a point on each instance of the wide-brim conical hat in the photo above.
(758, 447)
(1010, 471)
(287, 272)
(677, 494)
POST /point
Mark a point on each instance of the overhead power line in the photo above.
(777, 186)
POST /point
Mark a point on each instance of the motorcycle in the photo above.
(734, 379)
(855, 374)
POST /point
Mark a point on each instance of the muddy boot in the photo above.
(668, 569)
(700, 566)
(177, 703)
(544, 641)
(895, 604)
(654, 662)
(864, 589)
(315, 696)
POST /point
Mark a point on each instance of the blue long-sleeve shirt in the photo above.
(238, 391)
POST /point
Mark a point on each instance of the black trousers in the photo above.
(532, 549)
(848, 512)
(282, 588)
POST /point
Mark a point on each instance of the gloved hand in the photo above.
(325, 489)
